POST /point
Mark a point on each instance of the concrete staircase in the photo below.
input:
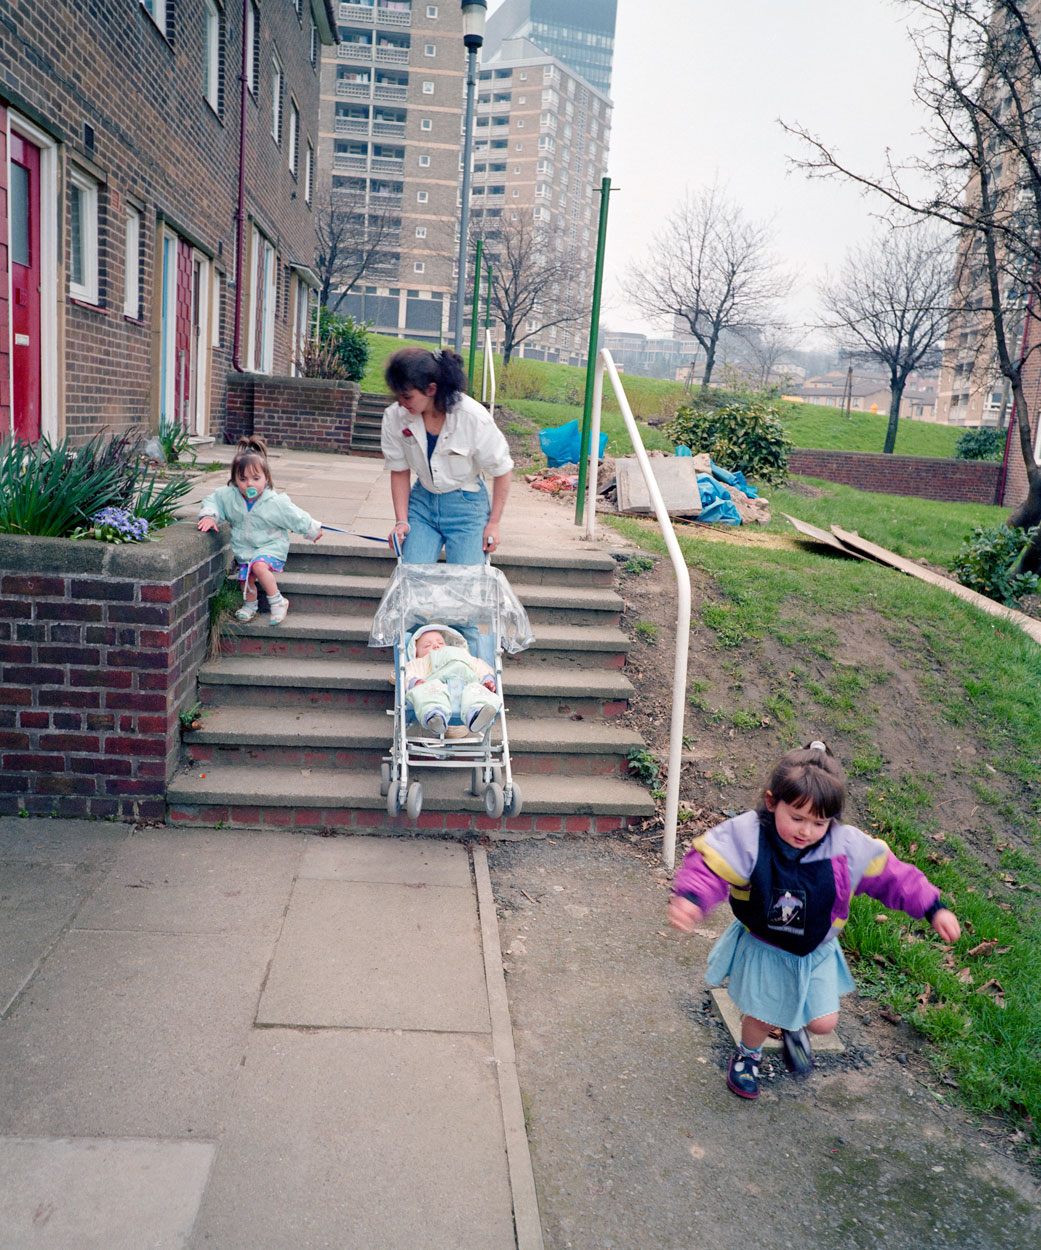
(365, 432)
(296, 717)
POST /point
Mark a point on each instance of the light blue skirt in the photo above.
(775, 986)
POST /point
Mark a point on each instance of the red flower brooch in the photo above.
(407, 433)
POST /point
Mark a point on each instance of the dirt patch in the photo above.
(638, 1145)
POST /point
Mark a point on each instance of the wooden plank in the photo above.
(1026, 623)
(822, 536)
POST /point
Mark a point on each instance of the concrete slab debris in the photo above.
(677, 479)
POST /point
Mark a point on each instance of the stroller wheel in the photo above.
(493, 800)
(476, 782)
(414, 802)
(513, 805)
(394, 801)
(384, 779)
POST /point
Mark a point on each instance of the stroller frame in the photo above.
(491, 772)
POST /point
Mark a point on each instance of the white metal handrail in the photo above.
(488, 379)
(679, 679)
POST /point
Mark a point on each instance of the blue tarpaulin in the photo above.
(716, 504)
(563, 444)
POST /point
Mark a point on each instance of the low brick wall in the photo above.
(304, 414)
(926, 477)
(99, 649)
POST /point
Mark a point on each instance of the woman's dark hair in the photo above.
(414, 368)
(810, 775)
(250, 452)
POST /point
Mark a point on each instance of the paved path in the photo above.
(262, 1041)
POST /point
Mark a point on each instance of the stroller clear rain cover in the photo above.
(457, 594)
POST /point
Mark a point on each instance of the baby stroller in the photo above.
(476, 601)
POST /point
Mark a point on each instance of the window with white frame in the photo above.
(425, 123)
(424, 162)
(430, 50)
(156, 10)
(83, 237)
(419, 267)
(294, 137)
(276, 99)
(432, 11)
(421, 232)
(309, 173)
(252, 46)
(422, 197)
(211, 54)
(132, 266)
(428, 88)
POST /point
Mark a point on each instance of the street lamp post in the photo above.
(474, 14)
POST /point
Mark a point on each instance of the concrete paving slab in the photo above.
(361, 1141)
(130, 1035)
(389, 860)
(33, 840)
(376, 955)
(86, 1194)
(200, 881)
(36, 903)
(830, 1043)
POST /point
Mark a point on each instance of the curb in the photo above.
(527, 1223)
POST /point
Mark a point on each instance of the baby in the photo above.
(439, 664)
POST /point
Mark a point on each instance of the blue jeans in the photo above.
(454, 520)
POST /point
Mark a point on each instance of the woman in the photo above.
(451, 444)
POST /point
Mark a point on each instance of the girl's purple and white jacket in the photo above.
(797, 900)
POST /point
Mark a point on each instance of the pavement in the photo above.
(264, 1041)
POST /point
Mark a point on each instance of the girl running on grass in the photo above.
(261, 519)
(790, 869)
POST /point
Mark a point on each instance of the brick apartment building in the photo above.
(123, 135)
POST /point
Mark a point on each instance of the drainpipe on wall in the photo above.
(240, 227)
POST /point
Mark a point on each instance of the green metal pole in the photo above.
(488, 300)
(594, 331)
(475, 314)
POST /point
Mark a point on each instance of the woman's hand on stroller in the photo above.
(401, 528)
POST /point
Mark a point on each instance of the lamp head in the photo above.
(474, 14)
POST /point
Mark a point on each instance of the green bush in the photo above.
(745, 436)
(53, 491)
(986, 560)
(980, 445)
(342, 350)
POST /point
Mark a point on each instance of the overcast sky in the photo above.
(698, 89)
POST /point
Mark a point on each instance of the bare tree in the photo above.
(890, 304)
(533, 284)
(711, 268)
(979, 66)
(767, 348)
(354, 237)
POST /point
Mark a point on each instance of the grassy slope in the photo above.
(552, 394)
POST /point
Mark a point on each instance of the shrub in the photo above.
(980, 445)
(986, 560)
(520, 379)
(52, 491)
(745, 436)
(342, 350)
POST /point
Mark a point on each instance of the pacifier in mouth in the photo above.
(252, 492)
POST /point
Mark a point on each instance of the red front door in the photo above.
(24, 212)
(183, 336)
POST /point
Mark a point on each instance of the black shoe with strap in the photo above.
(796, 1052)
(743, 1075)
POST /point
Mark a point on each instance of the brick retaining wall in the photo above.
(305, 414)
(99, 649)
(926, 477)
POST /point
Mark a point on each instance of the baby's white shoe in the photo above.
(436, 724)
(481, 718)
(279, 608)
(247, 612)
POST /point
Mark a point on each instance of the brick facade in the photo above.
(925, 477)
(121, 102)
(5, 284)
(99, 650)
(305, 414)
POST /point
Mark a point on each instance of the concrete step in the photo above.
(356, 739)
(313, 635)
(335, 799)
(352, 594)
(344, 555)
(536, 690)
